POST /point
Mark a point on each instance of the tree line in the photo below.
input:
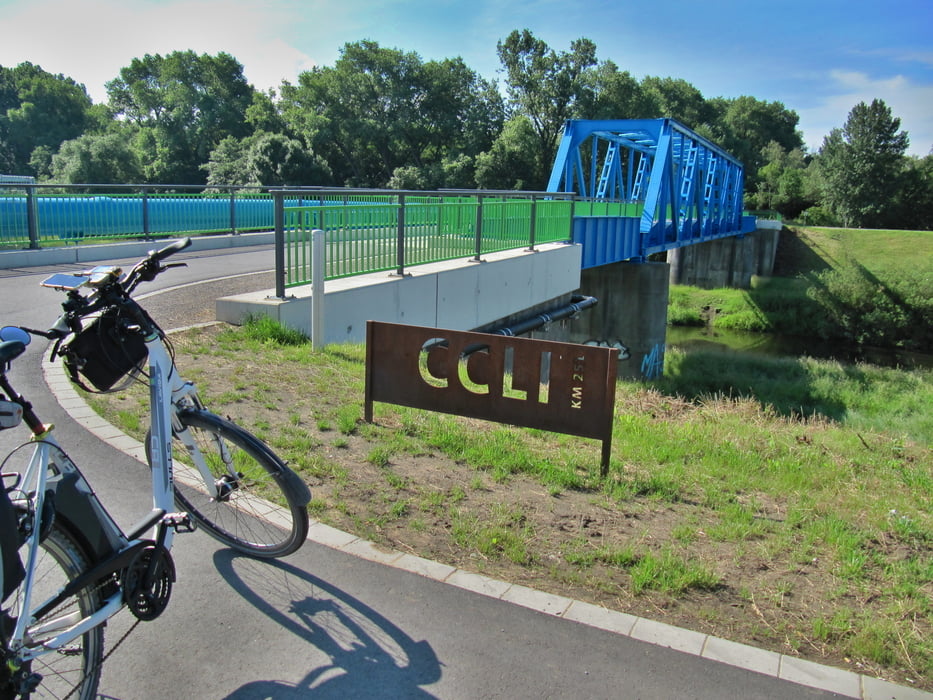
(384, 117)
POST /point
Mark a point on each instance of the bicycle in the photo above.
(78, 567)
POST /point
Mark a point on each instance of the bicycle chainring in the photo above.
(148, 600)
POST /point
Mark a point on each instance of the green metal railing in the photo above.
(366, 230)
(376, 231)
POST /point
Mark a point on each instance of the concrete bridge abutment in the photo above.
(727, 262)
(631, 313)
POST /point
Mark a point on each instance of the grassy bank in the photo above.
(854, 286)
(859, 397)
(784, 505)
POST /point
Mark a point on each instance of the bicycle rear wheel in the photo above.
(73, 671)
(258, 505)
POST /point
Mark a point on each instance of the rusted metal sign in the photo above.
(561, 387)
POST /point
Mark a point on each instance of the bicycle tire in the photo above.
(75, 671)
(252, 518)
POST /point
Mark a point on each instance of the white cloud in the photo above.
(910, 102)
(91, 40)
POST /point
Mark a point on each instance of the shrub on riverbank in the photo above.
(863, 287)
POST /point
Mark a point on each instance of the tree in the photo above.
(511, 159)
(38, 110)
(915, 198)
(677, 99)
(861, 166)
(264, 114)
(618, 95)
(782, 181)
(836, 184)
(745, 126)
(185, 104)
(548, 88)
(265, 159)
(97, 158)
(227, 164)
(457, 172)
(276, 159)
(379, 109)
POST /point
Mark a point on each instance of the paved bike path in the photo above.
(343, 618)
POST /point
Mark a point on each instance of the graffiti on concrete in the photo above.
(652, 365)
(624, 353)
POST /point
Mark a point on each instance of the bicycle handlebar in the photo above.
(110, 291)
(170, 249)
(150, 266)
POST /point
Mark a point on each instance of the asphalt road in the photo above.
(322, 623)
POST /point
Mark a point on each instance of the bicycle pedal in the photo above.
(180, 522)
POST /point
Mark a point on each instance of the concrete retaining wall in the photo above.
(459, 295)
(631, 314)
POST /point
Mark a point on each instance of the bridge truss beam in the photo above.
(690, 189)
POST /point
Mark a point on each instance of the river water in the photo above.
(691, 338)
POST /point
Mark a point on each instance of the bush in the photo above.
(859, 307)
(818, 216)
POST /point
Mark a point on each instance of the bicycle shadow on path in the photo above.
(369, 656)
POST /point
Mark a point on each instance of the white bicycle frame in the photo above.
(166, 390)
(71, 626)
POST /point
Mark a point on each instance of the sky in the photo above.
(818, 58)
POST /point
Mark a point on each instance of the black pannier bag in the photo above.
(9, 546)
(106, 351)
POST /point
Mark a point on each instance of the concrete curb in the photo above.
(78, 254)
(750, 658)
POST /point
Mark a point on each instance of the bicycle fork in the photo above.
(217, 488)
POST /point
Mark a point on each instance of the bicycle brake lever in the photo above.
(55, 348)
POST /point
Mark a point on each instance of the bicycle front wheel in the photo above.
(73, 670)
(256, 504)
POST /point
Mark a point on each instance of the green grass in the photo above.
(501, 532)
(670, 572)
(267, 330)
(667, 571)
(862, 397)
(801, 464)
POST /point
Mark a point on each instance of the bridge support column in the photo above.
(726, 262)
(632, 311)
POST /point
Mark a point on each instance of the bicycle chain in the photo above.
(106, 656)
(108, 653)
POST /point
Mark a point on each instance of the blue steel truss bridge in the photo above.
(683, 188)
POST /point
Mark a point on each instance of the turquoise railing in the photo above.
(38, 216)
